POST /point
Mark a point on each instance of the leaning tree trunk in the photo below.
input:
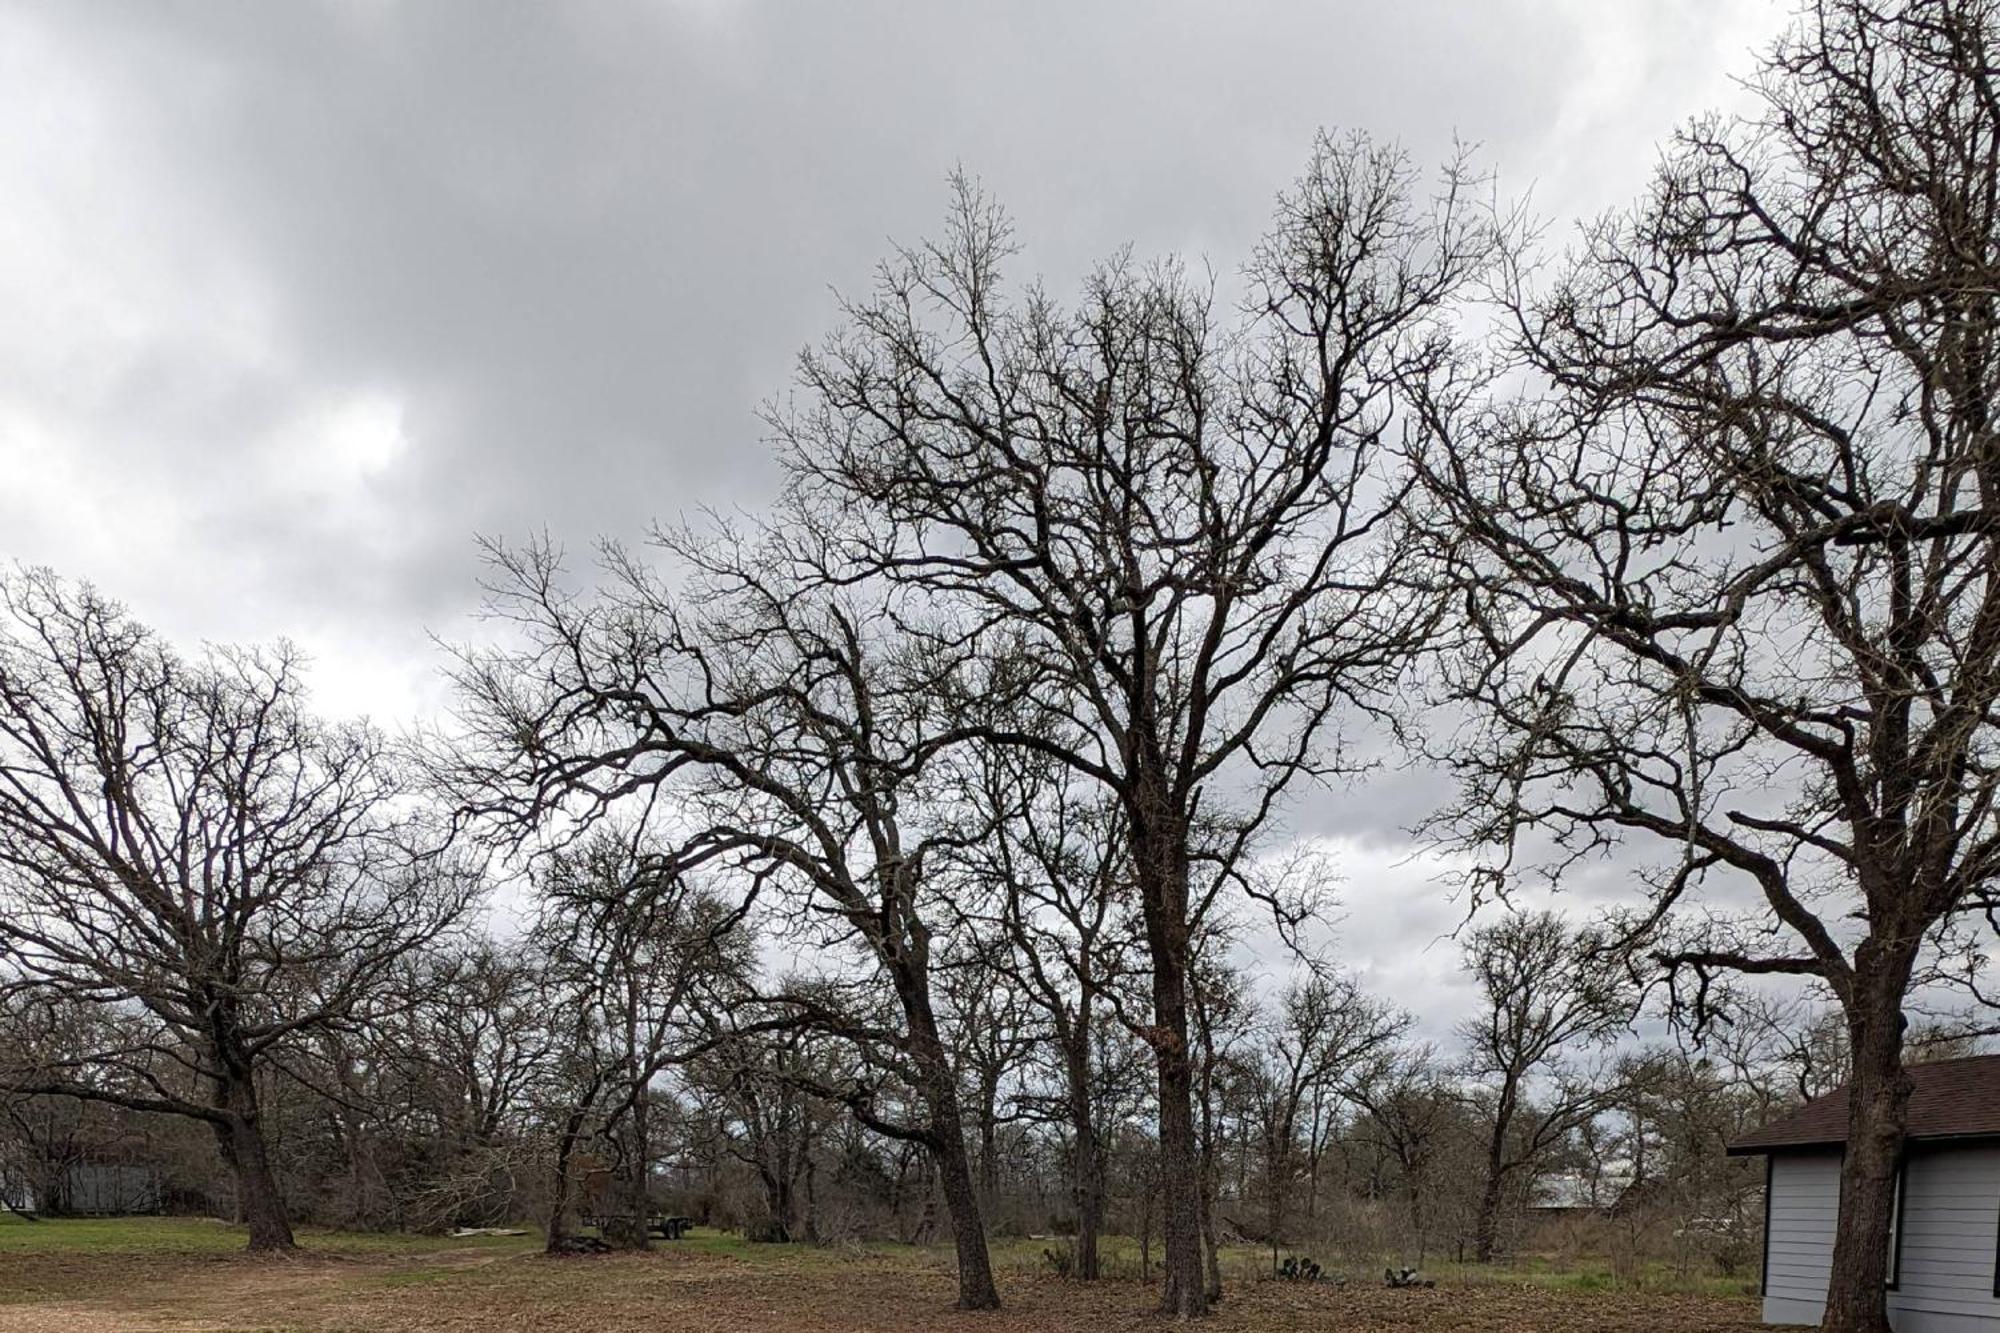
(1877, 1111)
(945, 1137)
(976, 1289)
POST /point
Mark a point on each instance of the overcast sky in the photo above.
(297, 299)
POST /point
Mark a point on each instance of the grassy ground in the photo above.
(158, 1275)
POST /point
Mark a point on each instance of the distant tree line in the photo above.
(523, 1086)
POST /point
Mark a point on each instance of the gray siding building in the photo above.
(1944, 1266)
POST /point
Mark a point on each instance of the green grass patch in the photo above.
(200, 1235)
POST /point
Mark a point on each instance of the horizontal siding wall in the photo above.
(1950, 1224)
(1805, 1209)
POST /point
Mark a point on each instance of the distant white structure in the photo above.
(93, 1190)
(1578, 1192)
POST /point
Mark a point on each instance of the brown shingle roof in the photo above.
(1951, 1099)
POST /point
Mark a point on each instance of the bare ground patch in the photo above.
(686, 1291)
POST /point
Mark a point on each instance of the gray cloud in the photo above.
(295, 299)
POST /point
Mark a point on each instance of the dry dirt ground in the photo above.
(710, 1288)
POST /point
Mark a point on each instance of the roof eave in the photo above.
(1802, 1145)
(1765, 1149)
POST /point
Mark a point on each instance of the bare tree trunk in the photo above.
(1877, 1113)
(989, 1164)
(240, 1135)
(1088, 1192)
(1486, 1229)
(813, 1236)
(1211, 1252)
(1146, 1230)
(946, 1141)
(633, 1204)
(572, 1134)
(257, 1188)
(1162, 859)
(945, 1128)
(1087, 1171)
(976, 1290)
(1185, 1292)
(1419, 1223)
(1486, 1232)
(777, 1199)
(1274, 1216)
(1207, 1163)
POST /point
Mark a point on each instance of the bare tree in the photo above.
(1412, 1111)
(488, 1033)
(771, 710)
(1048, 885)
(1326, 1032)
(759, 1109)
(1789, 1050)
(1549, 994)
(42, 1137)
(478, 1048)
(183, 840)
(638, 953)
(1732, 563)
(988, 1023)
(1222, 1012)
(1166, 535)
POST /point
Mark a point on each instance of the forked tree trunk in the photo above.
(1877, 1113)
(777, 1203)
